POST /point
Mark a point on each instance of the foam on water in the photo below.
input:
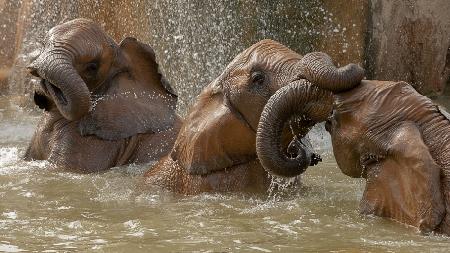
(61, 211)
(8, 156)
(9, 248)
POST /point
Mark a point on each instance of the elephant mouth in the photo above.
(54, 91)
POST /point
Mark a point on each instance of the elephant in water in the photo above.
(215, 148)
(105, 104)
(383, 131)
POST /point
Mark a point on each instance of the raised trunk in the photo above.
(305, 100)
(63, 83)
(300, 100)
(318, 68)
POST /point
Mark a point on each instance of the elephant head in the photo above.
(398, 140)
(301, 99)
(220, 129)
(76, 59)
(385, 132)
(114, 90)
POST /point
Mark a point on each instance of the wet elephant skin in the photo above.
(383, 131)
(399, 141)
(105, 104)
(215, 148)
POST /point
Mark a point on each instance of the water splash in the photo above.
(8, 156)
(193, 40)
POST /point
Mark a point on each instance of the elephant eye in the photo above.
(257, 78)
(92, 68)
(370, 159)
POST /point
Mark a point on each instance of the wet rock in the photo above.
(9, 16)
(409, 40)
(195, 40)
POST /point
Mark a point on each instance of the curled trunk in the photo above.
(63, 83)
(65, 45)
(299, 99)
(318, 68)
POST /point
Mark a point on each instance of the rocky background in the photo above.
(195, 39)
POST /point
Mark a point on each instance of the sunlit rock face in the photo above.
(9, 13)
(194, 40)
(410, 41)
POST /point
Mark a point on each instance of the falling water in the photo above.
(193, 40)
(43, 209)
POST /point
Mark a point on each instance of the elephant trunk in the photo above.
(298, 99)
(63, 83)
(318, 68)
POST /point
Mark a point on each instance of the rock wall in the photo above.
(410, 40)
(9, 40)
(194, 40)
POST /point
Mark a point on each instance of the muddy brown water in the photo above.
(44, 210)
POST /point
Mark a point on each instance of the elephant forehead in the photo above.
(78, 31)
(71, 27)
(387, 103)
(269, 49)
(265, 52)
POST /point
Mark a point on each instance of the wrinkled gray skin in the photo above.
(389, 134)
(301, 100)
(215, 149)
(105, 104)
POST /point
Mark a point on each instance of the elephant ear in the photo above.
(213, 137)
(142, 62)
(139, 100)
(405, 184)
(444, 112)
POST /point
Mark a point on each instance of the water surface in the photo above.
(45, 210)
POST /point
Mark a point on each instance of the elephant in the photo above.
(215, 148)
(105, 104)
(383, 131)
